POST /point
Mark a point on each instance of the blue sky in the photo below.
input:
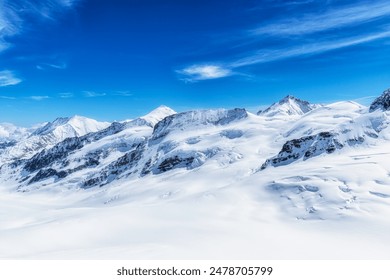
(118, 59)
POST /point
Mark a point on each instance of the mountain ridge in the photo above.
(288, 106)
(228, 145)
(382, 102)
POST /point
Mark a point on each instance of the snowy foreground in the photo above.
(296, 181)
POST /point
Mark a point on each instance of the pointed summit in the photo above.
(382, 102)
(153, 117)
(62, 128)
(288, 106)
(160, 113)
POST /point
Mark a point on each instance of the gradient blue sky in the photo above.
(118, 59)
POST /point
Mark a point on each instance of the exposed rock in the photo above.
(305, 148)
(125, 163)
(58, 152)
(47, 173)
(173, 162)
(7, 144)
(382, 102)
(232, 133)
(194, 119)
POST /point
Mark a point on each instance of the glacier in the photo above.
(296, 181)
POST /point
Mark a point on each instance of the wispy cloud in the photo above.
(66, 95)
(300, 36)
(7, 97)
(198, 72)
(9, 21)
(14, 13)
(301, 2)
(12, 22)
(204, 72)
(365, 100)
(94, 94)
(68, 3)
(8, 78)
(124, 93)
(38, 97)
(45, 66)
(337, 18)
(306, 49)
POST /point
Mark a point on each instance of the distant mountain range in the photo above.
(280, 143)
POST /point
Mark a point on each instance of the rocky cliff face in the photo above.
(382, 102)
(305, 148)
(165, 141)
(196, 119)
(138, 147)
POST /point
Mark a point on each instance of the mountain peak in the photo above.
(162, 109)
(48, 127)
(382, 102)
(289, 105)
(70, 126)
(152, 118)
(77, 117)
(289, 98)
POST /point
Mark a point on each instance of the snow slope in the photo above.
(288, 106)
(154, 117)
(27, 144)
(311, 185)
(9, 132)
(63, 128)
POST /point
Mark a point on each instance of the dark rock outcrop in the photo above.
(382, 102)
(198, 118)
(305, 148)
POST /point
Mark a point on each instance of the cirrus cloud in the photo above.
(47, 66)
(8, 78)
(303, 34)
(334, 18)
(39, 97)
(204, 72)
(66, 95)
(13, 15)
(94, 94)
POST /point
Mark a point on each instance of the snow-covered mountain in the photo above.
(98, 153)
(288, 106)
(132, 148)
(382, 102)
(293, 162)
(9, 132)
(29, 142)
(354, 127)
(79, 152)
(62, 128)
(153, 117)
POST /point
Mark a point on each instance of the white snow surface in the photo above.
(204, 195)
(9, 132)
(289, 106)
(32, 141)
(62, 128)
(157, 115)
